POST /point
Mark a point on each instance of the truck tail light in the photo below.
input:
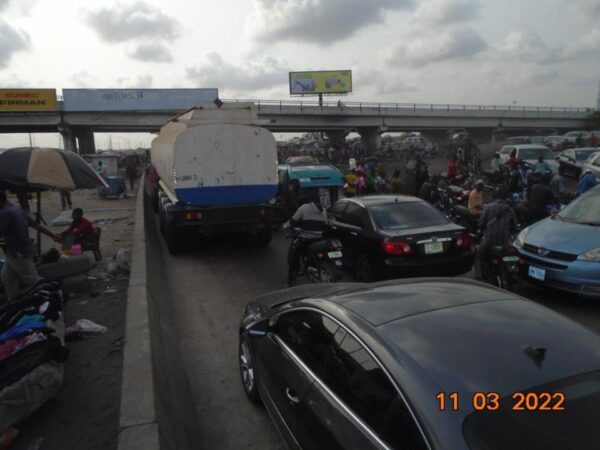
(397, 248)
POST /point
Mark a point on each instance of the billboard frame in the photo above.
(47, 95)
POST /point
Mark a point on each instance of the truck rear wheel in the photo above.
(174, 238)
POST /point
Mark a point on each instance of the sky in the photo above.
(524, 52)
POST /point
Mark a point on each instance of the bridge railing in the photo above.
(389, 107)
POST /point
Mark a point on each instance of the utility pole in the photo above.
(598, 98)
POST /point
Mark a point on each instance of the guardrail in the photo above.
(407, 106)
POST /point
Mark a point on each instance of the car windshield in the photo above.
(582, 155)
(403, 216)
(586, 209)
(506, 150)
(535, 153)
(574, 427)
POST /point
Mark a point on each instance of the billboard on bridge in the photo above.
(27, 100)
(135, 99)
(321, 82)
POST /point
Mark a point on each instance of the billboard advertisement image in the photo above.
(27, 100)
(136, 99)
(321, 82)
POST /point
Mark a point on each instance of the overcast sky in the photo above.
(532, 52)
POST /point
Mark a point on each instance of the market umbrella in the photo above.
(47, 168)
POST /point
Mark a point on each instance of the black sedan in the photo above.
(391, 236)
(432, 363)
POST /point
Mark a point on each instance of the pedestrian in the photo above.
(558, 184)
(542, 167)
(587, 182)
(452, 168)
(395, 182)
(19, 270)
(496, 163)
(593, 141)
(65, 199)
(512, 159)
(132, 176)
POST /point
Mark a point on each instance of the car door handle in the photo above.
(292, 397)
(354, 233)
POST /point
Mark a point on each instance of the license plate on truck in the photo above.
(334, 255)
(431, 248)
(536, 273)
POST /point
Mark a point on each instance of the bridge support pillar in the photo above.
(69, 141)
(371, 138)
(337, 138)
(87, 145)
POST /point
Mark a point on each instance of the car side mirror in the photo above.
(259, 329)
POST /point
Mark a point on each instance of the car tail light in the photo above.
(510, 250)
(335, 244)
(464, 241)
(397, 247)
(193, 216)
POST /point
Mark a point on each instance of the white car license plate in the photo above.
(537, 273)
(334, 255)
(432, 248)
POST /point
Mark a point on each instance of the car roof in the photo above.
(377, 200)
(456, 335)
(530, 147)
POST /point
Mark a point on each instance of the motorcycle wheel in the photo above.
(504, 280)
(327, 274)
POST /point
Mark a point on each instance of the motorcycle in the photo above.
(500, 267)
(320, 261)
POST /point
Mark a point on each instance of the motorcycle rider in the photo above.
(497, 223)
(311, 218)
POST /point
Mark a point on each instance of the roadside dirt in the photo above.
(85, 413)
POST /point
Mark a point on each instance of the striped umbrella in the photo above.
(47, 168)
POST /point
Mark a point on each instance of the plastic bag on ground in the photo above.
(83, 327)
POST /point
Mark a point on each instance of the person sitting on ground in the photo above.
(541, 197)
(496, 163)
(81, 230)
(476, 199)
(542, 167)
(587, 182)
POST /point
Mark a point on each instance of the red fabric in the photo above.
(452, 168)
(83, 228)
(512, 162)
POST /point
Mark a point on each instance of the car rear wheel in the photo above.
(363, 270)
(247, 371)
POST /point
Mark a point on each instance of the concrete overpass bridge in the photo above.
(337, 119)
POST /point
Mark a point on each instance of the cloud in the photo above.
(589, 45)
(139, 82)
(585, 10)
(84, 79)
(11, 41)
(4, 4)
(151, 52)
(317, 21)
(447, 12)
(214, 71)
(527, 46)
(455, 44)
(132, 21)
(383, 83)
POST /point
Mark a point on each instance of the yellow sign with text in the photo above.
(323, 82)
(27, 100)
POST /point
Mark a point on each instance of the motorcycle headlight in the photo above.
(592, 255)
(520, 241)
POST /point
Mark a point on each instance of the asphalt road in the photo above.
(201, 296)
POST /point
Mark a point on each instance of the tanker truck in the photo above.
(218, 173)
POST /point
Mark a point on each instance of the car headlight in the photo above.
(592, 255)
(520, 241)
